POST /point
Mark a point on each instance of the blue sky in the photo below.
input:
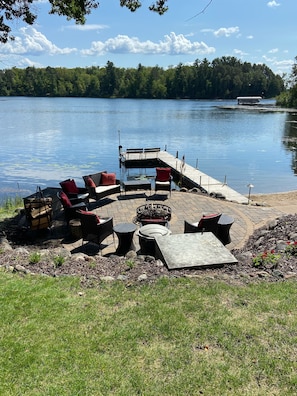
(256, 31)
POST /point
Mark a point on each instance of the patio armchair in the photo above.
(163, 179)
(93, 228)
(207, 223)
(70, 206)
(73, 192)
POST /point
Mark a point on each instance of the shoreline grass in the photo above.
(9, 206)
(172, 337)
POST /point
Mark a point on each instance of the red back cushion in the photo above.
(84, 212)
(204, 217)
(163, 174)
(108, 179)
(69, 186)
(90, 182)
(65, 200)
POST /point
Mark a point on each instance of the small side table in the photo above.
(133, 185)
(224, 224)
(124, 232)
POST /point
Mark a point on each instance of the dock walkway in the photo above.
(184, 171)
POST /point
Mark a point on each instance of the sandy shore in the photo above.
(286, 201)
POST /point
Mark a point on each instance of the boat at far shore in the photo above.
(254, 103)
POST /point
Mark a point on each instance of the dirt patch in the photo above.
(286, 201)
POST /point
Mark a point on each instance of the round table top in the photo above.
(123, 228)
(225, 219)
(152, 230)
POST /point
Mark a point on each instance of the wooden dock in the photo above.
(189, 176)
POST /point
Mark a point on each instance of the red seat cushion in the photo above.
(65, 200)
(108, 179)
(85, 212)
(69, 186)
(90, 182)
(163, 174)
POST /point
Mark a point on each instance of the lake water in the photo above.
(46, 140)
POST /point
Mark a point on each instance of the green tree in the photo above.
(289, 98)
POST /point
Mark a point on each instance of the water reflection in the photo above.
(290, 138)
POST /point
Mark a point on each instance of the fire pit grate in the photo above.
(153, 212)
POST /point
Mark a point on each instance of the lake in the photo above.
(46, 140)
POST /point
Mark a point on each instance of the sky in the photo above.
(255, 31)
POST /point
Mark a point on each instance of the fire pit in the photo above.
(153, 214)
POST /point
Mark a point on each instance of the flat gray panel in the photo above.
(193, 250)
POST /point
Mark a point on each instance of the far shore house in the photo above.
(248, 100)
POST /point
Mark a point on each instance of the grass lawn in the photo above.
(173, 337)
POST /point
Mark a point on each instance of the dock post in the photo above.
(176, 155)
(120, 156)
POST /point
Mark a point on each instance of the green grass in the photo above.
(9, 206)
(174, 337)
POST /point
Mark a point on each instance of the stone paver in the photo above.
(190, 207)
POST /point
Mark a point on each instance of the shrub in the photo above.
(266, 258)
(291, 248)
(34, 258)
(58, 261)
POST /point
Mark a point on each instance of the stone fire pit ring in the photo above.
(153, 211)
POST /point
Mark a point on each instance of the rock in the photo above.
(131, 255)
(20, 268)
(272, 224)
(290, 275)
(263, 232)
(245, 256)
(5, 246)
(281, 246)
(262, 274)
(293, 237)
(142, 277)
(195, 190)
(122, 277)
(159, 263)
(107, 278)
(277, 273)
(60, 251)
(22, 251)
(149, 259)
(259, 241)
(80, 257)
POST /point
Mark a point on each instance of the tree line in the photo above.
(288, 98)
(223, 78)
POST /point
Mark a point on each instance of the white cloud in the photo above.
(227, 32)
(280, 66)
(239, 52)
(250, 37)
(207, 30)
(273, 51)
(25, 62)
(87, 27)
(171, 45)
(32, 42)
(273, 3)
